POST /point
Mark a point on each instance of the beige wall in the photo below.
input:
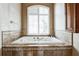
(10, 12)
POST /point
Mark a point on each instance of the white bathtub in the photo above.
(37, 41)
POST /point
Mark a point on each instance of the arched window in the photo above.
(38, 20)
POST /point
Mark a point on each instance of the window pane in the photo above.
(38, 20)
(44, 24)
(33, 10)
(32, 24)
(43, 10)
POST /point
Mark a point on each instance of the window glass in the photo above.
(38, 20)
(44, 24)
(43, 10)
(32, 24)
(33, 10)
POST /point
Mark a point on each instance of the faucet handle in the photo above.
(33, 37)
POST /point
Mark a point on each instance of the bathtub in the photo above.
(38, 41)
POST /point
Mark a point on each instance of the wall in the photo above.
(76, 43)
(11, 17)
(60, 24)
(10, 20)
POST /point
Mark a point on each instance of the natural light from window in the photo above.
(38, 20)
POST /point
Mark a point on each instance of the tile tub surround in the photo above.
(76, 43)
(38, 51)
(9, 36)
(0, 51)
(64, 36)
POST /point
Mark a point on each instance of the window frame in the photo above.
(24, 18)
